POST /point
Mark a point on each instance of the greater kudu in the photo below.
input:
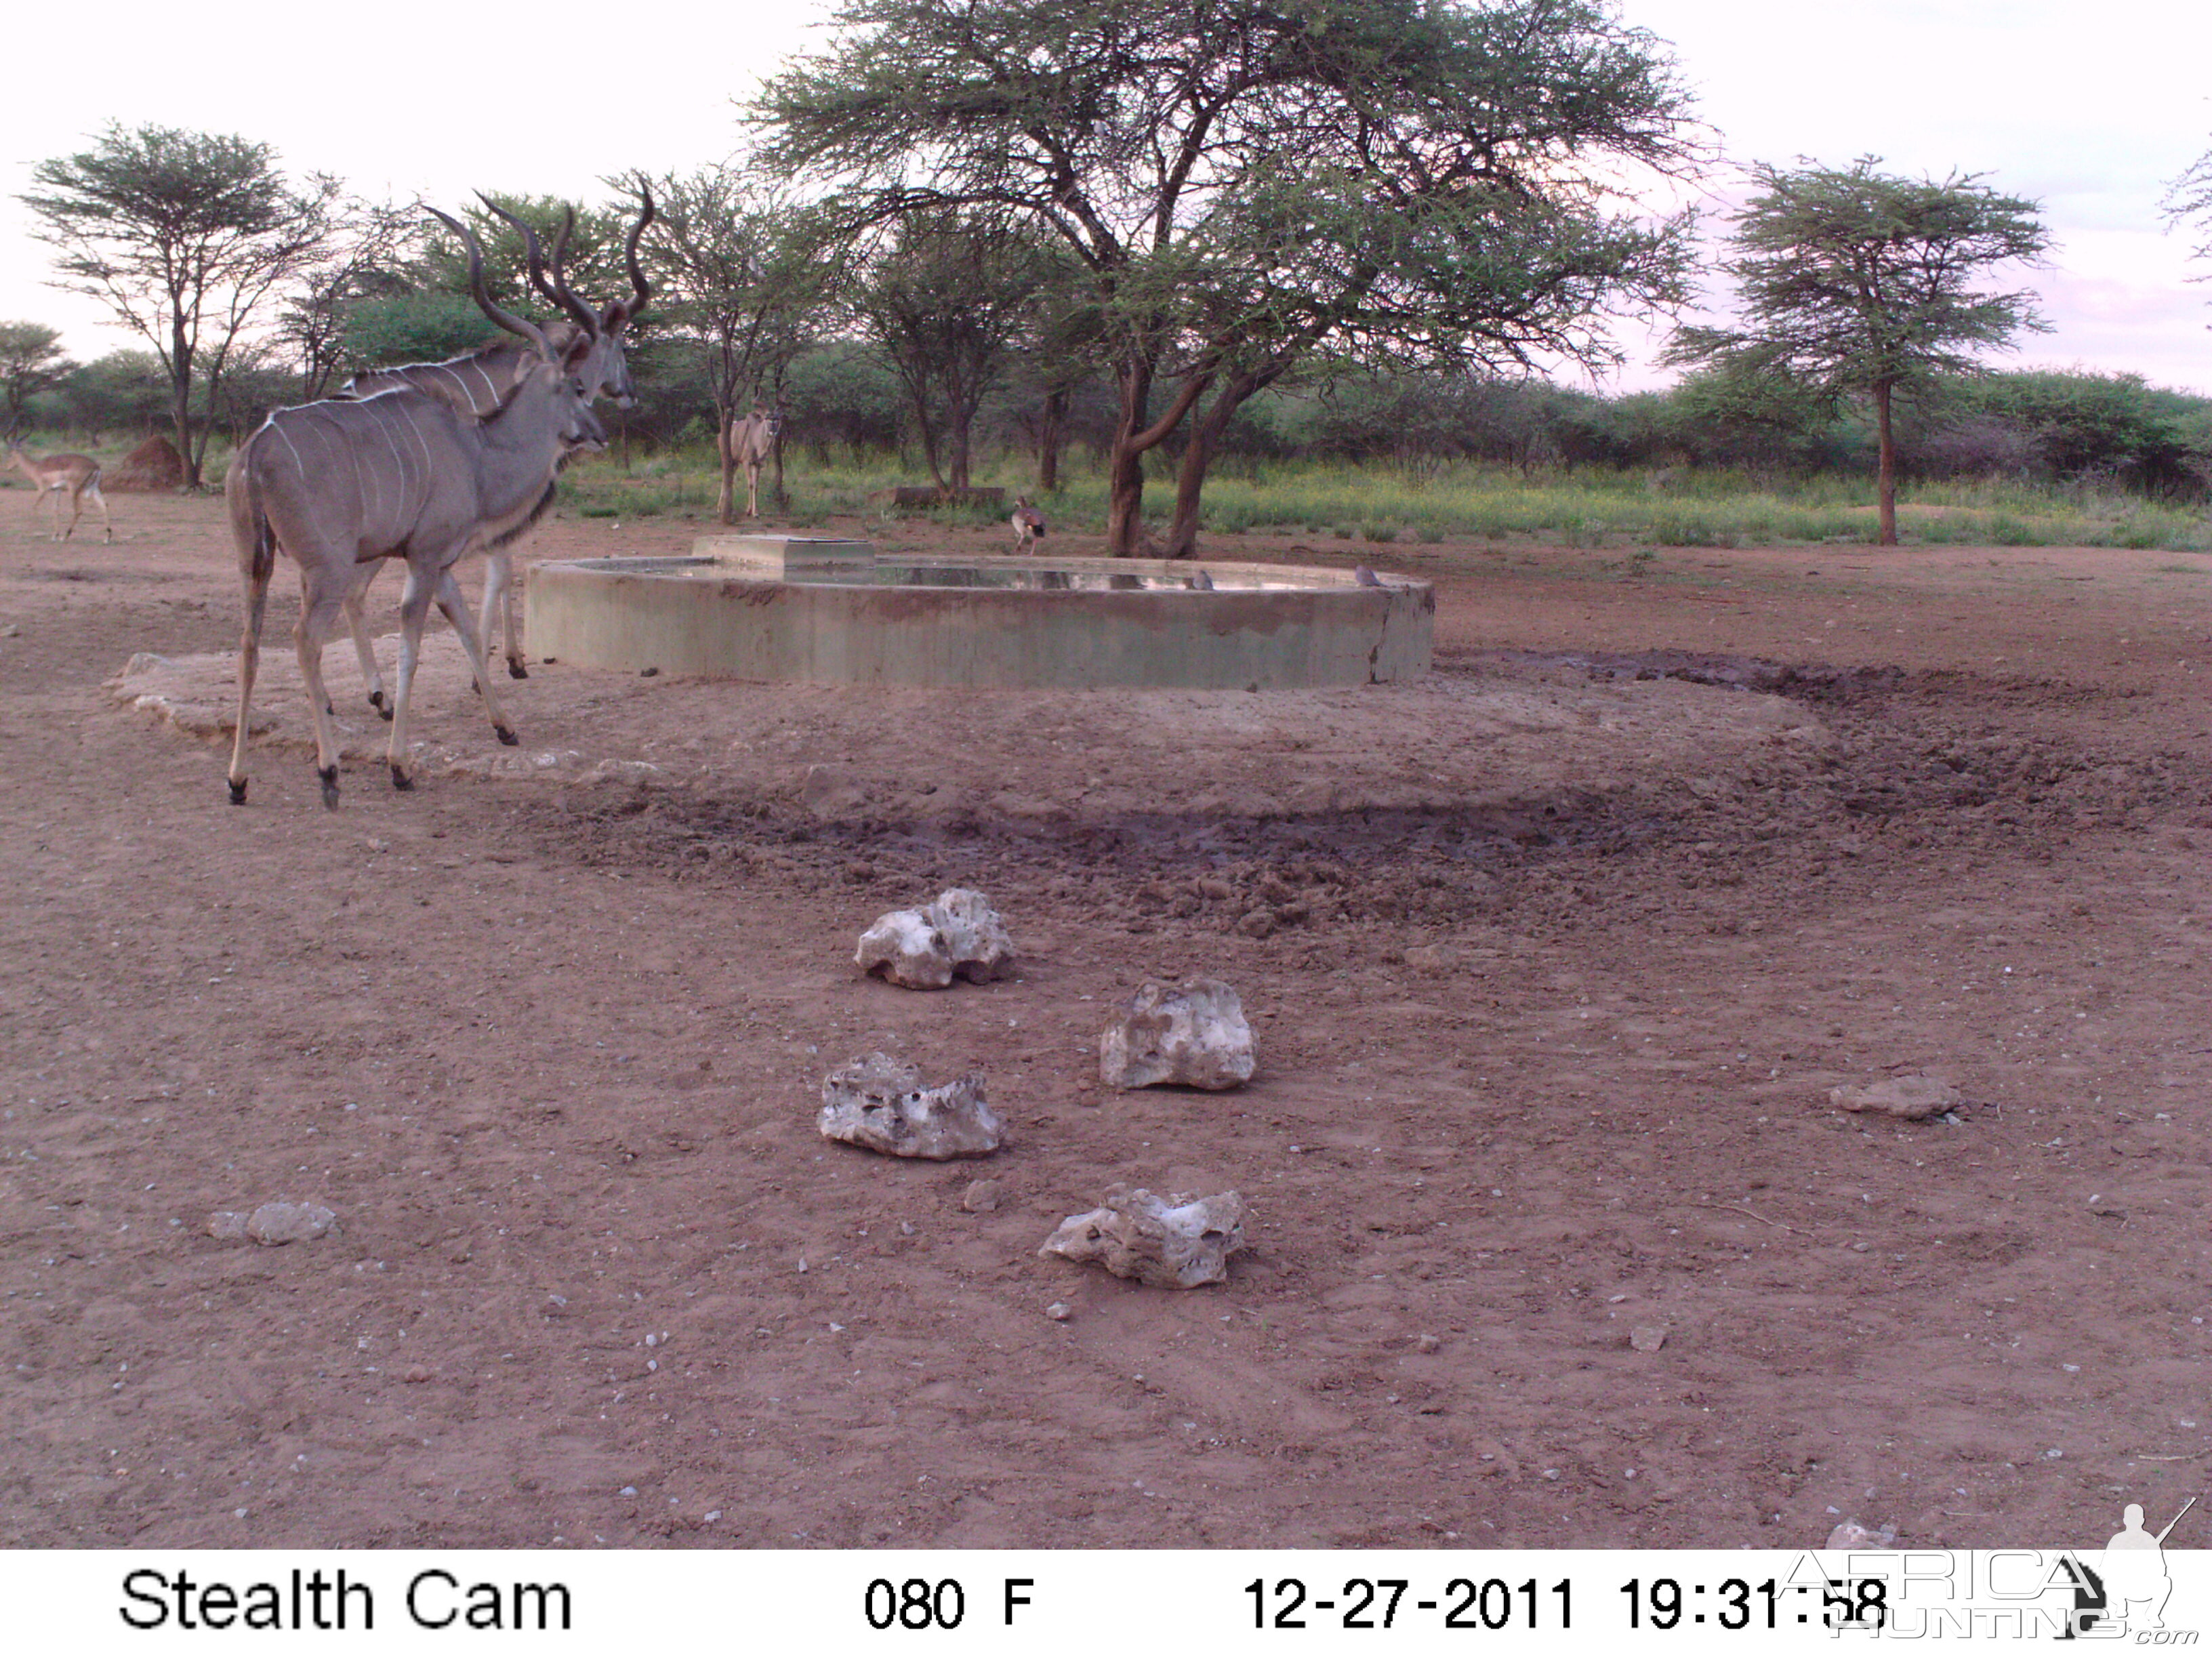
(748, 443)
(477, 382)
(340, 485)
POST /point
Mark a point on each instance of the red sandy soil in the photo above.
(1554, 959)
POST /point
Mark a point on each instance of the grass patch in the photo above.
(1590, 509)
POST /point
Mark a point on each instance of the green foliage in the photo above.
(184, 236)
(1246, 185)
(124, 390)
(1852, 280)
(31, 360)
(412, 328)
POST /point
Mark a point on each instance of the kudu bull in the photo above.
(477, 382)
(339, 486)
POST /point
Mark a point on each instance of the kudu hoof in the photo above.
(507, 736)
(381, 703)
(329, 777)
(237, 791)
(515, 670)
(400, 779)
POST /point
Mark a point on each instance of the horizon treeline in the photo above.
(845, 407)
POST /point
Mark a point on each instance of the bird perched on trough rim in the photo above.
(1028, 522)
(1202, 581)
(1366, 578)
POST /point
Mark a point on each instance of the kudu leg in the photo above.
(76, 511)
(499, 603)
(106, 524)
(356, 617)
(249, 659)
(414, 611)
(318, 612)
(456, 608)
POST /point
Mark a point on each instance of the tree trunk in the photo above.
(1198, 456)
(1125, 498)
(1048, 431)
(782, 499)
(956, 460)
(1125, 477)
(1125, 462)
(1887, 488)
(180, 404)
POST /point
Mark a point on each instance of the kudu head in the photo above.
(606, 371)
(562, 364)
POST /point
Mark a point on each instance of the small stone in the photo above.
(1648, 1339)
(1257, 924)
(282, 1223)
(415, 1374)
(557, 1307)
(1177, 1242)
(1427, 1343)
(1911, 1097)
(878, 1102)
(1851, 1535)
(981, 1197)
(1059, 1310)
(1196, 1036)
(229, 1225)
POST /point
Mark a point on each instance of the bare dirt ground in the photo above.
(1554, 959)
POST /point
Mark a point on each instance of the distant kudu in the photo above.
(477, 383)
(748, 443)
(340, 485)
(52, 474)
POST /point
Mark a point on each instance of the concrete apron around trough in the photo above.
(776, 608)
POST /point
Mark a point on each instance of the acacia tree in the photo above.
(945, 301)
(184, 236)
(1244, 181)
(31, 360)
(1856, 283)
(748, 278)
(2188, 201)
(359, 263)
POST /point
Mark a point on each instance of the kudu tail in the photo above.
(256, 561)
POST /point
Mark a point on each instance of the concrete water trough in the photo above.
(833, 613)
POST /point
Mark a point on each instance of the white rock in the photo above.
(1196, 1036)
(1913, 1096)
(908, 948)
(1648, 1339)
(959, 936)
(1177, 1243)
(982, 952)
(289, 1224)
(878, 1102)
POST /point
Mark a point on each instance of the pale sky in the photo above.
(2087, 109)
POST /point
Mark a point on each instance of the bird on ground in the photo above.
(1028, 522)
